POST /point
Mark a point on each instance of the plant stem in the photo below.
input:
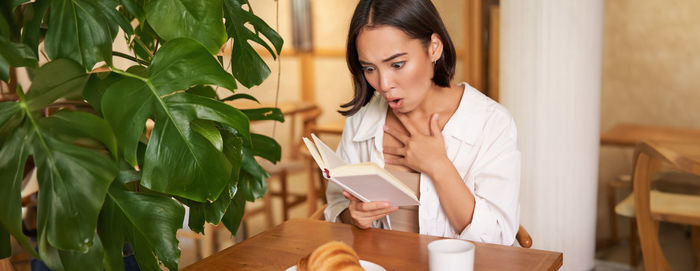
(123, 55)
(120, 72)
(143, 45)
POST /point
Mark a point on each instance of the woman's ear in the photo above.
(435, 47)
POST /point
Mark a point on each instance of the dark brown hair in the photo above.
(418, 19)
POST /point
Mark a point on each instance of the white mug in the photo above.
(451, 254)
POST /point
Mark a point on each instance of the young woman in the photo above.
(456, 147)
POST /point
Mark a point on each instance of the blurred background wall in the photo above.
(651, 63)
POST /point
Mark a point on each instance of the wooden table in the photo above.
(628, 135)
(281, 247)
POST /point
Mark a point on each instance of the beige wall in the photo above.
(651, 68)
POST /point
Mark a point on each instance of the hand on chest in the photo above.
(408, 142)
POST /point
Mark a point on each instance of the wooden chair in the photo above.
(672, 180)
(652, 207)
(6, 265)
(523, 237)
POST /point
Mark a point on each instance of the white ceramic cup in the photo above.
(451, 254)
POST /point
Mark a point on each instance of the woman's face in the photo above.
(399, 67)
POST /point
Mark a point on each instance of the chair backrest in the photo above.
(523, 237)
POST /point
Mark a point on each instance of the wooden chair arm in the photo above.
(523, 237)
(318, 215)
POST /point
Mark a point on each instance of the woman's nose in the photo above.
(385, 82)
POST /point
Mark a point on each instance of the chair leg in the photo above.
(311, 192)
(695, 239)
(267, 200)
(633, 242)
(197, 249)
(285, 194)
(611, 210)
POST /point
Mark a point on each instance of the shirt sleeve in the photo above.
(496, 176)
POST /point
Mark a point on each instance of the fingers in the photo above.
(397, 134)
(379, 215)
(350, 196)
(366, 210)
(394, 161)
(434, 126)
(395, 151)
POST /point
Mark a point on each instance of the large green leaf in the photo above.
(208, 130)
(90, 260)
(82, 124)
(33, 17)
(4, 69)
(7, 110)
(252, 180)
(135, 7)
(234, 213)
(13, 155)
(14, 55)
(266, 147)
(146, 220)
(247, 66)
(195, 19)
(17, 54)
(83, 30)
(233, 149)
(59, 260)
(73, 182)
(56, 79)
(11, 116)
(214, 212)
(183, 63)
(113, 229)
(126, 105)
(96, 86)
(5, 246)
(205, 91)
(8, 27)
(190, 166)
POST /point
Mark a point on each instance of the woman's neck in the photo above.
(441, 100)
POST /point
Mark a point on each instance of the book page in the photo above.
(330, 158)
(314, 153)
(369, 182)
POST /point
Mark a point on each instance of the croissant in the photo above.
(333, 255)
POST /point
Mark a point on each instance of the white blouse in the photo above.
(480, 140)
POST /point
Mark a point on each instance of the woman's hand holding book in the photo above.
(363, 214)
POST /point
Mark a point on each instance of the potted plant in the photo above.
(102, 181)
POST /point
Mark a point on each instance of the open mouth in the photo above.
(395, 103)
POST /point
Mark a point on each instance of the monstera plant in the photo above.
(103, 182)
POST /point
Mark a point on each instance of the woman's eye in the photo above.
(367, 68)
(398, 65)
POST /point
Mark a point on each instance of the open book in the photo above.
(366, 181)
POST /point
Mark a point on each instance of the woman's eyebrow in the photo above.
(385, 60)
(393, 56)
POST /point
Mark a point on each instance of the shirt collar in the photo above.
(468, 120)
(465, 124)
(373, 119)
